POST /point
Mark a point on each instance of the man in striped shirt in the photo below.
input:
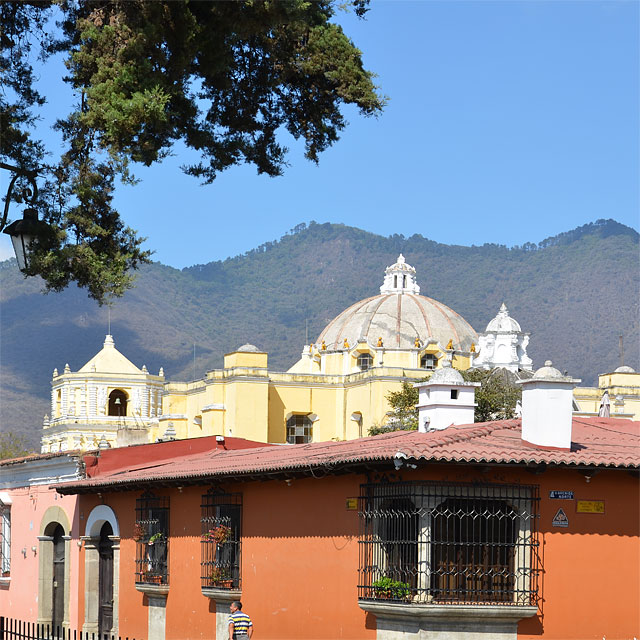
(240, 625)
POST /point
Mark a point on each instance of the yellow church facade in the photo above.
(618, 391)
(338, 388)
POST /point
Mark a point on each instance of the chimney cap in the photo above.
(549, 373)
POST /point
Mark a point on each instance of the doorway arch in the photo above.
(54, 564)
(101, 573)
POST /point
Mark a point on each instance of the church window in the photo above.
(395, 282)
(365, 361)
(404, 282)
(454, 394)
(299, 429)
(221, 526)
(428, 361)
(117, 403)
(151, 533)
(429, 542)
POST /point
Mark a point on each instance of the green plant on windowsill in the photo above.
(156, 537)
(389, 589)
(221, 577)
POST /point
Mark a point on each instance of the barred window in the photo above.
(449, 543)
(221, 523)
(299, 429)
(5, 540)
(365, 361)
(151, 533)
(428, 361)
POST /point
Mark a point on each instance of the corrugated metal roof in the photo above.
(600, 442)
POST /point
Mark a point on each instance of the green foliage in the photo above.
(496, 397)
(12, 446)
(386, 587)
(405, 412)
(224, 78)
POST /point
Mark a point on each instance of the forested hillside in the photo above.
(576, 293)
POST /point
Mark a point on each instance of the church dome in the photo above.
(446, 375)
(625, 369)
(504, 322)
(399, 315)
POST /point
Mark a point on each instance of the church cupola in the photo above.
(400, 278)
(503, 344)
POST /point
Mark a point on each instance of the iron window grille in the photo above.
(428, 542)
(428, 361)
(5, 541)
(221, 542)
(365, 361)
(299, 429)
(151, 532)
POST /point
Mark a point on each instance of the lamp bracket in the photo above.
(27, 195)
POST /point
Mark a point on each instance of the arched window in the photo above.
(428, 361)
(299, 429)
(365, 361)
(117, 403)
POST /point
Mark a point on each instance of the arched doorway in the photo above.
(101, 569)
(57, 575)
(105, 580)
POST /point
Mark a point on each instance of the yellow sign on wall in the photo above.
(352, 504)
(590, 506)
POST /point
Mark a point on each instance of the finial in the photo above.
(548, 363)
(55, 373)
(503, 309)
(324, 346)
(416, 342)
(67, 368)
(401, 259)
(380, 341)
(345, 344)
(473, 347)
(450, 344)
(144, 369)
(108, 341)
(161, 372)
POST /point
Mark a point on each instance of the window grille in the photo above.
(151, 532)
(221, 542)
(365, 361)
(428, 542)
(5, 541)
(428, 361)
(299, 429)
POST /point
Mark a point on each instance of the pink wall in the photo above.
(19, 598)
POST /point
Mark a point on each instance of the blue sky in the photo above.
(507, 122)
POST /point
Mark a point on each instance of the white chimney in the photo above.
(547, 402)
(445, 399)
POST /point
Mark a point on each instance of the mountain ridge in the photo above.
(575, 292)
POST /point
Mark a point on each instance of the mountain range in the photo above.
(576, 293)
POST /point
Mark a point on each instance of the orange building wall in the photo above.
(300, 558)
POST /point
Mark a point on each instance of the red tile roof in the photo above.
(597, 442)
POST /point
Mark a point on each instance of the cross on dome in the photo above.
(400, 278)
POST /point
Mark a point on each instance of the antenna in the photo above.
(621, 346)
(194, 360)
(306, 330)
(109, 321)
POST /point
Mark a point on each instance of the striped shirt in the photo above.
(241, 623)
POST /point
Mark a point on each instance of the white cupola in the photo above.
(445, 399)
(400, 278)
(547, 401)
(503, 344)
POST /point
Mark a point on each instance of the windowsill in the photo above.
(505, 612)
(5, 581)
(222, 594)
(153, 589)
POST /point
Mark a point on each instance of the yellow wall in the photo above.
(624, 395)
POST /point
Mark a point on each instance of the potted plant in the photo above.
(156, 537)
(139, 532)
(152, 578)
(221, 577)
(388, 589)
(219, 534)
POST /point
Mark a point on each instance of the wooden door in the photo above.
(105, 581)
(57, 611)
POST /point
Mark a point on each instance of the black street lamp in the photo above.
(22, 232)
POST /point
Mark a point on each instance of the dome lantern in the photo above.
(400, 278)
